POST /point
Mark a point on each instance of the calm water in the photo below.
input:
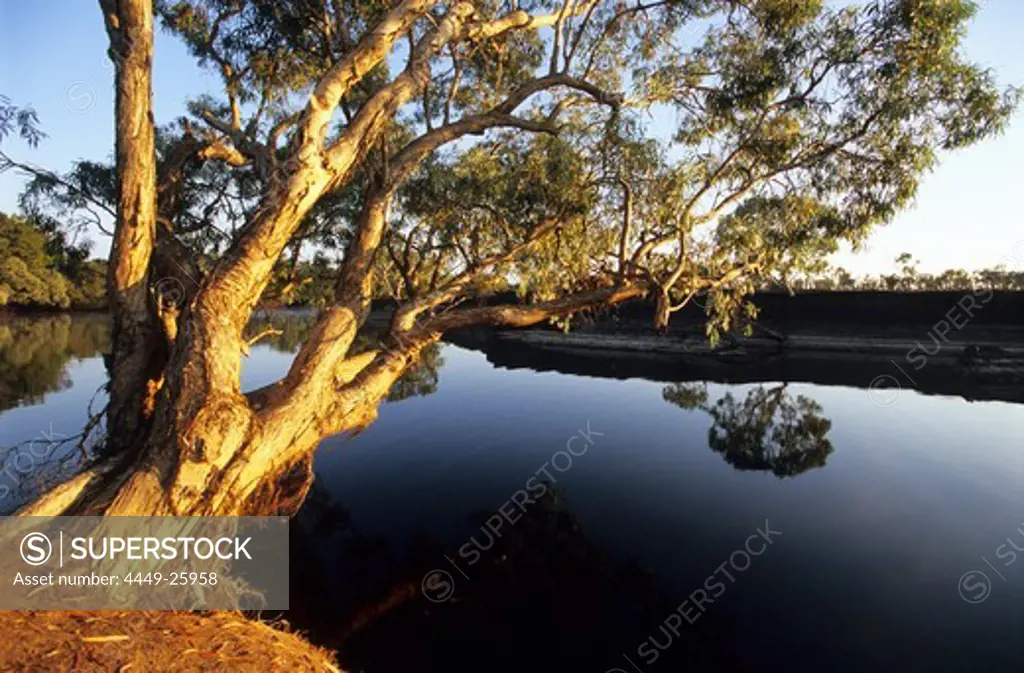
(881, 520)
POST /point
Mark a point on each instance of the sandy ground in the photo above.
(152, 641)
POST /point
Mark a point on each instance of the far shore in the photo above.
(880, 341)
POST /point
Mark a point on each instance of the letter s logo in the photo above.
(36, 549)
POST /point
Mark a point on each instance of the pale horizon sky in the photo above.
(968, 212)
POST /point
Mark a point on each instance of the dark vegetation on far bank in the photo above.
(968, 343)
(854, 312)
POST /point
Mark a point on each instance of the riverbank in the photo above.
(876, 341)
(935, 343)
(152, 641)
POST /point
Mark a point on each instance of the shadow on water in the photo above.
(541, 595)
(955, 373)
(554, 594)
(538, 596)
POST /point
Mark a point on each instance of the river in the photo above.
(519, 520)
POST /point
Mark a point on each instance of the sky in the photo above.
(967, 213)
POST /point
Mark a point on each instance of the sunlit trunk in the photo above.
(135, 337)
(662, 311)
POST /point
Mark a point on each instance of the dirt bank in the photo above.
(981, 364)
(152, 641)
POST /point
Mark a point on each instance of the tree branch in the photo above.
(511, 315)
(346, 73)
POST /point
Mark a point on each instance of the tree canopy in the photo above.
(703, 147)
(769, 431)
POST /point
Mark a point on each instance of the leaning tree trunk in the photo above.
(212, 448)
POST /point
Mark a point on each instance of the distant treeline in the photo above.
(909, 279)
(41, 268)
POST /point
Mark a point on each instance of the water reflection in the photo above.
(422, 378)
(998, 380)
(770, 430)
(285, 332)
(543, 587)
(35, 352)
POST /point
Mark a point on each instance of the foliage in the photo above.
(462, 211)
(20, 120)
(41, 269)
(802, 125)
(798, 125)
(457, 149)
(302, 282)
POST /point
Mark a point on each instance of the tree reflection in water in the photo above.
(544, 597)
(35, 352)
(770, 430)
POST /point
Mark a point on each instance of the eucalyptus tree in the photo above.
(800, 127)
(795, 125)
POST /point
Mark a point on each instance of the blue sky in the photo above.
(968, 212)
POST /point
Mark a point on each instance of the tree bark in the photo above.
(662, 311)
(134, 378)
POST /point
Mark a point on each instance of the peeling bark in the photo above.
(129, 26)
